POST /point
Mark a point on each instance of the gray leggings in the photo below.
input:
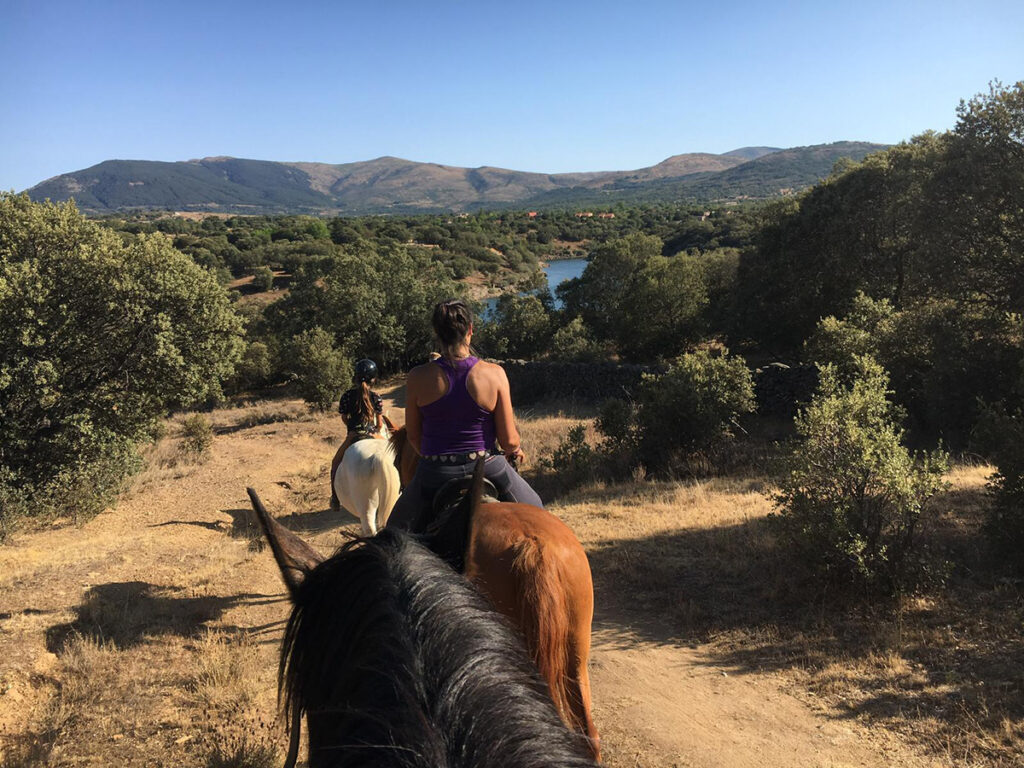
(413, 510)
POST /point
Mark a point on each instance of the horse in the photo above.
(534, 571)
(398, 662)
(367, 483)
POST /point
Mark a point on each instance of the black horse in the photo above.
(397, 662)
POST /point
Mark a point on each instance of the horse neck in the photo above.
(376, 651)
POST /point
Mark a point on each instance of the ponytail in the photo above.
(366, 410)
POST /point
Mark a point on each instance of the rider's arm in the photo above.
(413, 420)
(504, 418)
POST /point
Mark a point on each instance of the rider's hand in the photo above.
(516, 458)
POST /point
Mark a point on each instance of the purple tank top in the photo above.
(455, 423)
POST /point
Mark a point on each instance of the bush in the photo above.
(322, 372)
(256, 369)
(263, 278)
(519, 328)
(574, 343)
(98, 337)
(853, 498)
(867, 326)
(693, 407)
(1005, 444)
(617, 421)
(196, 435)
(574, 461)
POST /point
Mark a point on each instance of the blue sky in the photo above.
(546, 86)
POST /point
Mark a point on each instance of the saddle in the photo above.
(448, 533)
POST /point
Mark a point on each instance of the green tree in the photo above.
(975, 203)
(263, 278)
(1002, 437)
(599, 294)
(574, 342)
(375, 303)
(322, 371)
(99, 336)
(852, 502)
(693, 406)
(520, 328)
(660, 311)
(865, 329)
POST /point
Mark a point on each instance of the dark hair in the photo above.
(452, 320)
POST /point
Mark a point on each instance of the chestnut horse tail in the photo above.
(545, 620)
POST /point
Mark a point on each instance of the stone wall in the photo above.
(778, 387)
(534, 381)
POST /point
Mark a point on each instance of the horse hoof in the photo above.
(335, 505)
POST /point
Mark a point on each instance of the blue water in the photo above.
(557, 273)
(566, 269)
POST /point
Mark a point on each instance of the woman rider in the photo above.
(456, 406)
(363, 413)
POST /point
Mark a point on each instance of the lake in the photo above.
(557, 273)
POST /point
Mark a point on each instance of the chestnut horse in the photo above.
(397, 662)
(534, 570)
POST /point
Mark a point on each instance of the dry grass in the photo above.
(80, 706)
(142, 656)
(697, 562)
(226, 670)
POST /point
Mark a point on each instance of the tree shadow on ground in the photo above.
(125, 613)
(951, 660)
(244, 525)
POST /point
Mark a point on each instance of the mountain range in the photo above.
(391, 184)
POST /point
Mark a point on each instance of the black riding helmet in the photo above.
(366, 370)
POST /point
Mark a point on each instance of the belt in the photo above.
(457, 458)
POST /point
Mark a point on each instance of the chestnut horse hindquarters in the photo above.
(534, 570)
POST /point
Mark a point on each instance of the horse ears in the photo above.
(294, 557)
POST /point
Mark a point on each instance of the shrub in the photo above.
(1005, 444)
(263, 278)
(574, 461)
(692, 407)
(321, 371)
(617, 421)
(256, 369)
(196, 435)
(575, 343)
(838, 342)
(852, 500)
(519, 327)
(98, 337)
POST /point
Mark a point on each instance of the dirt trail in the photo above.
(176, 559)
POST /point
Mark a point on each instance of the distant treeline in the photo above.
(504, 247)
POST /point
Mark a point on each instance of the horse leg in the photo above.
(335, 463)
(366, 508)
(389, 488)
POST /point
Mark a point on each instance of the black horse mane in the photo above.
(399, 663)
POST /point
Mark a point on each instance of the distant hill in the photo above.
(391, 184)
(752, 153)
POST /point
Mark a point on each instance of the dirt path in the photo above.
(149, 584)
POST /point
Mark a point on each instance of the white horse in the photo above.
(367, 483)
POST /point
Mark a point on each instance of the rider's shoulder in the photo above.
(421, 372)
(492, 370)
